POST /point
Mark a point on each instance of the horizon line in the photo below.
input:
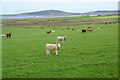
(57, 10)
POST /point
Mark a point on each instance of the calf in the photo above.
(61, 38)
(52, 47)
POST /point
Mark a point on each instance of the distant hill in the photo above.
(63, 13)
(50, 13)
(103, 13)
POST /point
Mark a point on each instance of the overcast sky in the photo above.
(76, 6)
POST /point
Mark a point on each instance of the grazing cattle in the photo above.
(52, 47)
(89, 27)
(61, 38)
(77, 30)
(42, 28)
(84, 30)
(52, 31)
(2, 35)
(48, 32)
(105, 22)
(73, 29)
(8, 35)
(98, 27)
(68, 28)
(102, 27)
(89, 30)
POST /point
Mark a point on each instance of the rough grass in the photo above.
(59, 21)
(108, 17)
(87, 55)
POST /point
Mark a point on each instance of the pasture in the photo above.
(83, 55)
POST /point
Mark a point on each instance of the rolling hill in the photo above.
(103, 13)
(50, 13)
(63, 13)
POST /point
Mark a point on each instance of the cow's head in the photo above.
(65, 37)
(58, 45)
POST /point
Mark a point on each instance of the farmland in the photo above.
(83, 55)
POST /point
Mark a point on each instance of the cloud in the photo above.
(61, 1)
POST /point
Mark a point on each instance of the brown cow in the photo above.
(89, 27)
(8, 35)
(48, 32)
(89, 30)
(73, 29)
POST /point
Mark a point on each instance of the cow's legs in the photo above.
(56, 52)
(63, 40)
(47, 52)
(7, 36)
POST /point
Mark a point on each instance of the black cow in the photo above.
(84, 30)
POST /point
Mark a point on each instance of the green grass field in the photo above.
(88, 55)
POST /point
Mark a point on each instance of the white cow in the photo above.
(52, 31)
(98, 27)
(77, 30)
(61, 38)
(2, 35)
(52, 47)
(102, 27)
